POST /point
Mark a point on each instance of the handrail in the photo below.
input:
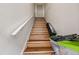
(21, 26)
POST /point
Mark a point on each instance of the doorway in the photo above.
(39, 10)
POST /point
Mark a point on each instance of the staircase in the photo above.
(39, 43)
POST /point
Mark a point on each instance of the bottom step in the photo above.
(39, 53)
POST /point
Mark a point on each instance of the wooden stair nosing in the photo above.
(38, 45)
(40, 53)
(38, 49)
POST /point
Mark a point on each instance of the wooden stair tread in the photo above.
(40, 53)
(39, 41)
(40, 23)
(39, 44)
(39, 33)
(32, 39)
(39, 37)
(38, 49)
(39, 26)
(39, 29)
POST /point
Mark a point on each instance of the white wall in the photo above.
(12, 16)
(64, 17)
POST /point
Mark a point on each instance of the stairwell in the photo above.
(39, 43)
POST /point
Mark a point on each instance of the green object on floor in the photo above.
(73, 45)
